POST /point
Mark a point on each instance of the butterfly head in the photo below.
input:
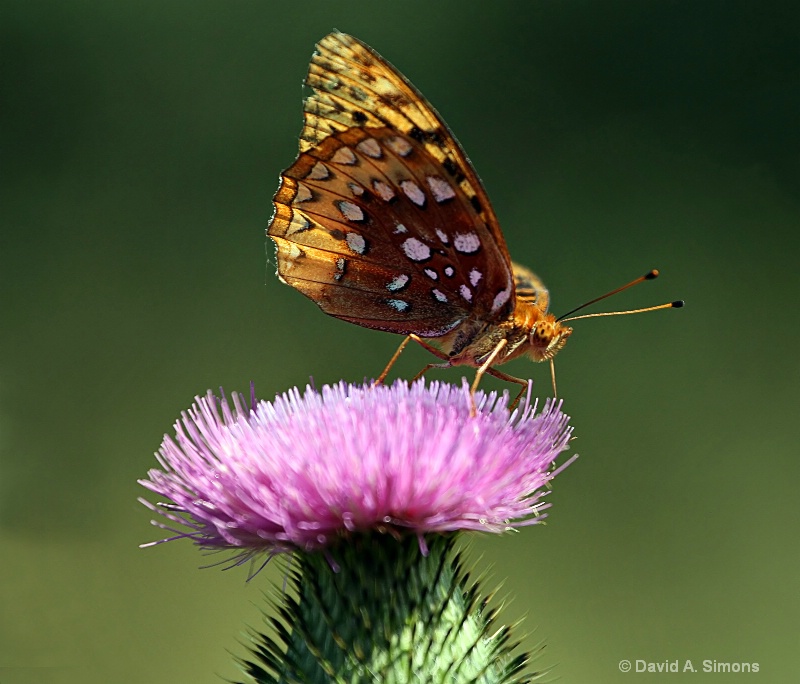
(547, 337)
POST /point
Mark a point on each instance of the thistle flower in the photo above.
(303, 470)
(334, 471)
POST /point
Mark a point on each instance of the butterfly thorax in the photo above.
(527, 331)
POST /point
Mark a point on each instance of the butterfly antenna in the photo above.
(669, 305)
(650, 275)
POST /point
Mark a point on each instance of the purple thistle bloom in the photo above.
(303, 470)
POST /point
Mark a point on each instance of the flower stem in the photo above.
(376, 609)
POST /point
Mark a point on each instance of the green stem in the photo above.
(376, 609)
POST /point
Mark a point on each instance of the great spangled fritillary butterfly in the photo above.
(383, 222)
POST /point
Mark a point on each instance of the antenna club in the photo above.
(678, 304)
(651, 275)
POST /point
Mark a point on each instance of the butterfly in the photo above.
(382, 221)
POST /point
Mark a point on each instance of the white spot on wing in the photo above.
(433, 275)
(318, 172)
(442, 236)
(400, 229)
(398, 145)
(398, 304)
(294, 253)
(467, 243)
(466, 293)
(413, 192)
(370, 147)
(398, 283)
(474, 276)
(344, 155)
(340, 264)
(441, 296)
(440, 188)
(303, 193)
(384, 190)
(448, 271)
(298, 224)
(356, 242)
(500, 299)
(350, 211)
(356, 189)
(416, 250)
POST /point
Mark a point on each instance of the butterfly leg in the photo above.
(428, 367)
(510, 378)
(553, 378)
(485, 366)
(436, 352)
(379, 380)
(433, 350)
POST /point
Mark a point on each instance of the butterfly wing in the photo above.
(381, 220)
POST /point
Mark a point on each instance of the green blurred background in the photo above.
(141, 146)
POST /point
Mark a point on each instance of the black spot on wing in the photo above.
(417, 134)
(453, 170)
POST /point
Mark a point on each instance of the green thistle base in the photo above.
(387, 613)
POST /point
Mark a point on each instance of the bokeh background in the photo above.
(141, 145)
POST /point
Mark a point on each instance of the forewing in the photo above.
(354, 86)
(381, 220)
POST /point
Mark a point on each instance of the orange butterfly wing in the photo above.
(382, 220)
